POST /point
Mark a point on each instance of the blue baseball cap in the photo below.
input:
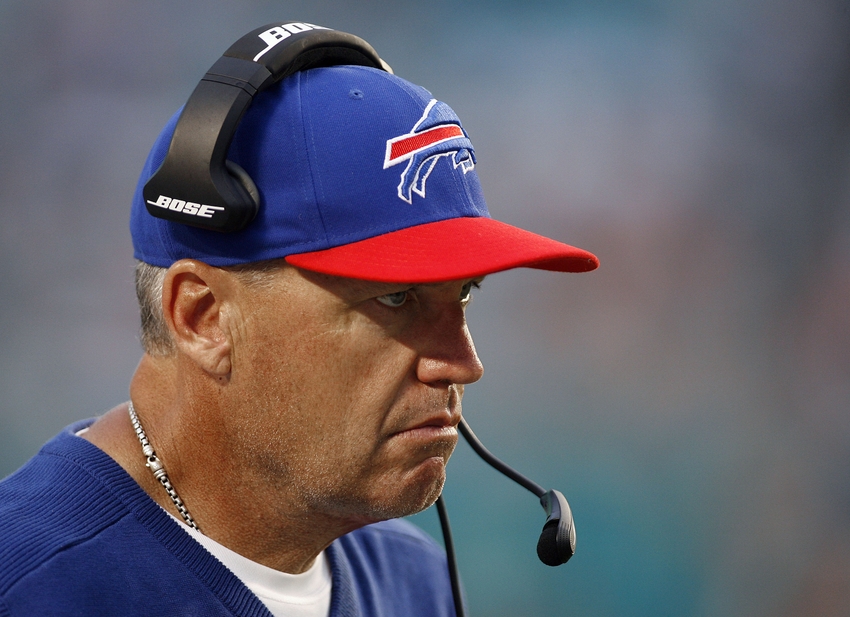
(361, 174)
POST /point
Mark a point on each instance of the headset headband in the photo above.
(195, 184)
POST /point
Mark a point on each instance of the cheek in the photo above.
(341, 378)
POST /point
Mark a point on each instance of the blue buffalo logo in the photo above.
(436, 134)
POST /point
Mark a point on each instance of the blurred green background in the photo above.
(690, 397)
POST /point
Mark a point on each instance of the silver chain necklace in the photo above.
(156, 466)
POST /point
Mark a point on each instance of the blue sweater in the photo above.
(79, 537)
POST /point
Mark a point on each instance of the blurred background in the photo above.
(690, 397)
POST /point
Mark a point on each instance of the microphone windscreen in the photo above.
(547, 545)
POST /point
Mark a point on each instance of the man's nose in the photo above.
(447, 353)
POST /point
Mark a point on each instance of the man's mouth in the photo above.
(438, 427)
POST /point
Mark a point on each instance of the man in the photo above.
(301, 382)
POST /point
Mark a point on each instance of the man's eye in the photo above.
(393, 300)
(466, 291)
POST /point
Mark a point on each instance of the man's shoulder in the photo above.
(79, 536)
(396, 568)
(56, 500)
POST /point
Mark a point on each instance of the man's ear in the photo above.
(194, 295)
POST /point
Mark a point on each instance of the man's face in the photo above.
(349, 391)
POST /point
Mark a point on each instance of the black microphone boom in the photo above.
(557, 541)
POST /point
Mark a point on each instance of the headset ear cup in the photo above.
(242, 177)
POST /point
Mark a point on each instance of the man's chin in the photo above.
(419, 492)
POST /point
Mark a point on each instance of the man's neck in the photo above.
(228, 505)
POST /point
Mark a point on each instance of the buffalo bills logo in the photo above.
(436, 134)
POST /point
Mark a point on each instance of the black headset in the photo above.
(220, 194)
(197, 177)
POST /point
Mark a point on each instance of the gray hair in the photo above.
(154, 335)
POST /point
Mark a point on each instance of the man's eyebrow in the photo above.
(352, 288)
(378, 287)
(476, 280)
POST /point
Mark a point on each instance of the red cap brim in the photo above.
(446, 250)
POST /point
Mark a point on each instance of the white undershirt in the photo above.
(285, 595)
